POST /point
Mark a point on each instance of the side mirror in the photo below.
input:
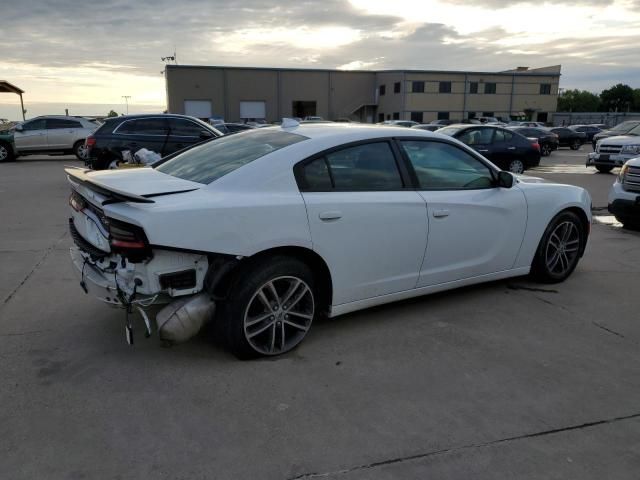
(19, 128)
(204, 135)
(505, 179)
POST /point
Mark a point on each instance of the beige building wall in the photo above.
(340, 94)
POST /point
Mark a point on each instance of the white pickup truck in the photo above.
(615, 151)
(624, 195)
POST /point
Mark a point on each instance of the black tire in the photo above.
(244, 296)
(603, 169)
(6, 152)
(543, 267)
(628, 223)
(80, 151)
(575, 144)
(516, 166)
(545, 149)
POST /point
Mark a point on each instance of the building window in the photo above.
(382, 89)
(396, 87)
(473, 87)
(443, 115)
(543, 116)
(388, 116)
(445, 87)
(417, 117)
(417, 87)
(396, 115)
(545, 89)
(487, 114)
(490, 87)
(381, 117)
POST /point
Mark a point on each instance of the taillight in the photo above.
(90, 142)
(536, 145)
(128, 239)
(77, 202)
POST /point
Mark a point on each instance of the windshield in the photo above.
(207, 162)
(451, 131)
(634, 131)
(625, 126)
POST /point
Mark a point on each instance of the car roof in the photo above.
(343, 132)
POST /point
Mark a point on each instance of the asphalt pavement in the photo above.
(507, 380)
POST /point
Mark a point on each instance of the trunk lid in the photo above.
(132, 184)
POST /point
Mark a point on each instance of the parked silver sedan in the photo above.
(53, 134)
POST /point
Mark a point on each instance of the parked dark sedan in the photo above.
(505, 148)
(589, 130)
(428, 126)
(229, 128)
(569, 138)
(620, 129)
(547, 140)
(163, 134)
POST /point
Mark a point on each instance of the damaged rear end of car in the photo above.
(117, 263)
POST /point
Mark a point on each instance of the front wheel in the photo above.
(516, 166)
(559, 249)
(603, 169)
(575, 145)
(271, 308)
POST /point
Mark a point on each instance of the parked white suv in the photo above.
(624, 195)
(615, 151)
(53, 134)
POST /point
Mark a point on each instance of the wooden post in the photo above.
(22, 107)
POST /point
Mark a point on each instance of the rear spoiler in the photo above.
(79, 175)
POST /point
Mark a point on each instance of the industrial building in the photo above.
(248, 94)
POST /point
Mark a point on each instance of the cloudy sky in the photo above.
(87, 55)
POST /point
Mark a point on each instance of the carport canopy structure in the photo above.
(6, 87)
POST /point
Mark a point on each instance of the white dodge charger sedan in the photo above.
(268, 229)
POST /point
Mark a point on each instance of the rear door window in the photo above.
(58, 123)
(144, 126)
(181, 127)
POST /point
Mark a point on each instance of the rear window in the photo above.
(207, 162)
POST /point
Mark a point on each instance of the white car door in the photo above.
(475, 227)
(368, 227)
(33, 135)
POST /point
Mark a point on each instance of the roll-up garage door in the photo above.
(198, 108)
(252, 110)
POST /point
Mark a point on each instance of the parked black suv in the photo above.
(163, 134)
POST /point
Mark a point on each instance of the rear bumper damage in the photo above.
(173, 280)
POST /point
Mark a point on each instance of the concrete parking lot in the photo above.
(505, 380)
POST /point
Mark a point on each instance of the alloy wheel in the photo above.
(562, 248)
(4, 153)
(546, 150)
(82, 152)
(516, 166)
(279, 315)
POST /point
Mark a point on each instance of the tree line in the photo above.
(619, 98)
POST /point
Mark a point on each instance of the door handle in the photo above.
(511, 148)
(333, 215)
(440, 213)
(483, 151)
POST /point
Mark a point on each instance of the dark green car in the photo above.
(7, 146)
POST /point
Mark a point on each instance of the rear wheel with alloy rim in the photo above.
(545, 149)
(575, 145)
(271, 308)
(559, 250)
(80, 150)
(516, 166)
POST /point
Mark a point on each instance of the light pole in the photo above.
(126, 101)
